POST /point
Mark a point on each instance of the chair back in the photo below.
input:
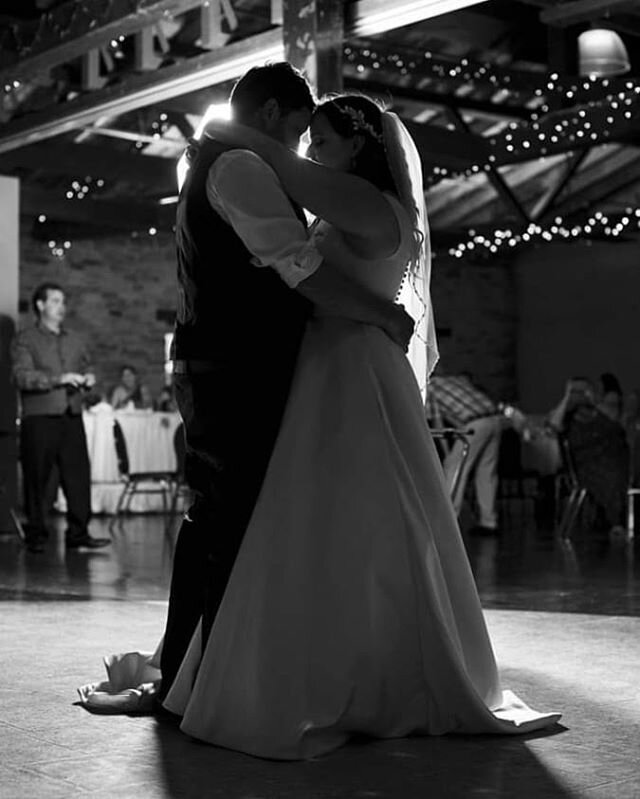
(633, 439)
(121, 449)
(568, 464)
(453, 434)
(180, 448)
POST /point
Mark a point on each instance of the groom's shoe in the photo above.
(162, 714)
(86, 541)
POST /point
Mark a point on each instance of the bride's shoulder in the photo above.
(398, 209)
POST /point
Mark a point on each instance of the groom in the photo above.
(238, 330)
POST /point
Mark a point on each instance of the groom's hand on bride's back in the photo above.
(400, 325)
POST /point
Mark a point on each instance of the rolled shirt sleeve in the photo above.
(246, 192)
(25, 373)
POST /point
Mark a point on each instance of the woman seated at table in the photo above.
(599, 449)
(166, 402)
(130, 393)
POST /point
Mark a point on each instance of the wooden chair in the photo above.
(567, 479)
(134, 483)
(633, 489)
(10, 449)
(443, 436)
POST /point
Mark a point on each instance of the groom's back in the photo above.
(227, 307)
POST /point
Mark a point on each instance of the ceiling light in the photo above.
(602, 53)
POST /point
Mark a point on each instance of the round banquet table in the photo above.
(149, 439)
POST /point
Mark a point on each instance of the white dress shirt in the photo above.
(246, 192)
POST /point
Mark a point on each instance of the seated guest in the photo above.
(598, 448)
(130, 393)
(458, 402)
(166, 401)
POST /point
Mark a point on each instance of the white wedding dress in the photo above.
(351, 607)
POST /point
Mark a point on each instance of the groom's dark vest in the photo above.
(230, 312)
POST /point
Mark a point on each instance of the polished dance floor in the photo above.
(564, 619)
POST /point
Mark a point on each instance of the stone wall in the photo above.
(475, 311)
(117, 286)
(115, 289)
(578, 314)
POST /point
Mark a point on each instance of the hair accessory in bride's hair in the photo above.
(359, 122)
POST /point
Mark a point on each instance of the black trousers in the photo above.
(230, 432)
(46, 443)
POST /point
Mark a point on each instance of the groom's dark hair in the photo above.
(279, 81)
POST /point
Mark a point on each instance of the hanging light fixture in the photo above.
(602, 53)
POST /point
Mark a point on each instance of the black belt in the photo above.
(194, 367)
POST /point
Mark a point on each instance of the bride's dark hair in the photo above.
(356, 115)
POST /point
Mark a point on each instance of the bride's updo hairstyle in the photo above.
(355, 115)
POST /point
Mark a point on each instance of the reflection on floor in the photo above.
(565, 622)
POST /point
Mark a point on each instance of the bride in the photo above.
(351, 607)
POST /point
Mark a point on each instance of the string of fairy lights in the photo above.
(598, 225)
(540, 88)
(600, 111)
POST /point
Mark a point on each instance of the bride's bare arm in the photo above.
(246, 190)
(347, 202)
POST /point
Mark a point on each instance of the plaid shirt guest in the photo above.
(457, 401)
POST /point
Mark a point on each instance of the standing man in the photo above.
(51, 368)
(455, 399)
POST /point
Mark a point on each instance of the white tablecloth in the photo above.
(149, 438)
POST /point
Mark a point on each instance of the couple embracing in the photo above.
(320, 586)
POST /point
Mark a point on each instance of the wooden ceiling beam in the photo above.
(547, 203)
(139, 91)
(473, 202)
(73, 29)
(604, 174)
(313, 36)
(576, 11)
(73, 160)
(494, 176)
(200, 72)
(600, 182)
(371, 17)
(606, 132)
(419, 65)
(111, 214)
(446, 148)
(486, 108)
(625, 24)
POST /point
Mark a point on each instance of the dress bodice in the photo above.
(382, 276)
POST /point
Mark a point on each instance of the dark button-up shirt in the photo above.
(40, 357)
